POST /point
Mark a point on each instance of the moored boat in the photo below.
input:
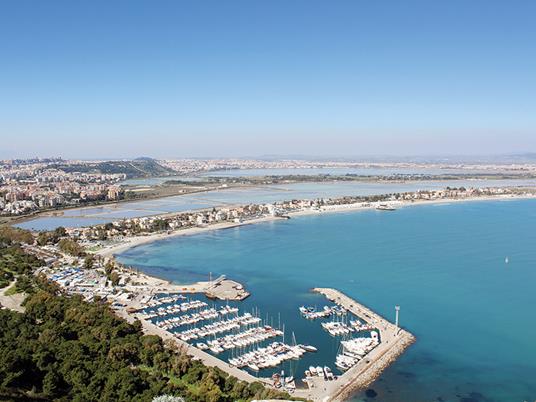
(308, 348)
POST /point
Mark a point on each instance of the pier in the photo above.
(225, 289)
(394, 341)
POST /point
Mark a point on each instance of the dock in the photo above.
(221, 289)
(394, 341)
(225, 289)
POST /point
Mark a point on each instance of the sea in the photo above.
(463, 274)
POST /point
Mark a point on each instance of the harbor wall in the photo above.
(362, 379)
(394, 341)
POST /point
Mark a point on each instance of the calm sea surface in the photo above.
(472, 313)
(265, 194)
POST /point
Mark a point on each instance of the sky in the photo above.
(119, 79)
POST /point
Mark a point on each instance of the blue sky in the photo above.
(244, 78)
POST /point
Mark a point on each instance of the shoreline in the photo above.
(60, 212)
(112, 250)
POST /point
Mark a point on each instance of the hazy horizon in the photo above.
(101, 80)
(526, 157)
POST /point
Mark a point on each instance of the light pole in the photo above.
(397, 309)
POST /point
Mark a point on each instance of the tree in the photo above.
(15, 262)
(51, 383)
(114, 278)
(210, 391)
(10, 235)
(160, 224)
(108, 268)
(101, 234)
(60, 232)
(43, 238)
(124, 352)
(69, 246)
(89, 261)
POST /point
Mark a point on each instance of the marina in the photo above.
(244, 341)
(311, 313)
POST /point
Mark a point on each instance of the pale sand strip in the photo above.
(138, 240)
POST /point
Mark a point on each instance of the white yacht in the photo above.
(385, 207)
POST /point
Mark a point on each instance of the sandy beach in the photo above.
(126, 244)
(138, 240)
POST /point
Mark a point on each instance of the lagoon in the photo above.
(238, 196)
(340, 171)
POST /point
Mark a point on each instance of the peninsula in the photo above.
(175, 312)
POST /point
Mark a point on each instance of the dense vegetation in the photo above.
(142, 167)
(69, 246)
(15, 263)
(9, 235)
(51, 237)
(65, 349)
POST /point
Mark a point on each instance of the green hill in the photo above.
(142, 167)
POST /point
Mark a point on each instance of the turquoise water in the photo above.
(264, 194)
(471, 312)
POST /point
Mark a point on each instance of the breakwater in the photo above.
(394, 341)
